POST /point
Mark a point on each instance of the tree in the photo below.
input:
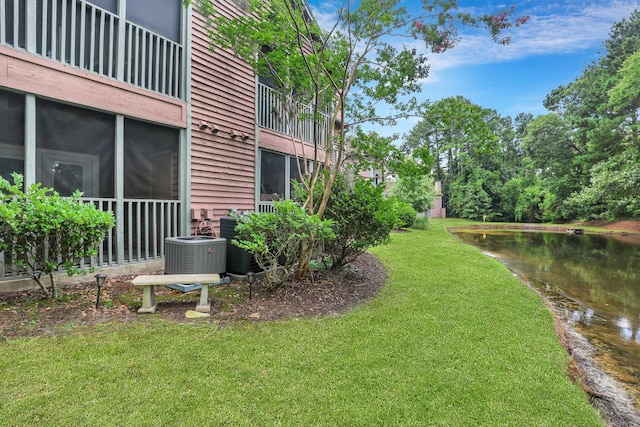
(530, 204)
(624, 97)
(418, 191)
(462, 140)
(347, 72)
(371, 151)
(509, 198)
(43, 231)
(362, 217)
(469, 199)
(553, 156)
(613, 191)
(600, 109)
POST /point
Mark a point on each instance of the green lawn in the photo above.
(452, 340)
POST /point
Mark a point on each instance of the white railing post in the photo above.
(122, 31)
(30, 30)
(72, 35)
(44, 30)
(119, 187)
(3, 21)
(271, 115)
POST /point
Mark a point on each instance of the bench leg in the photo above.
(148, 300)
(204, 306)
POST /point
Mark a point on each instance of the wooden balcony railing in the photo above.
(273, 115)
(81, 34)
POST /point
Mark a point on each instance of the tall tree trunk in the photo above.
(306, 253)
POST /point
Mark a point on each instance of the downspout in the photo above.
(256, 154)
(185, 146)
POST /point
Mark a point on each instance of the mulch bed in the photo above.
(29, 314)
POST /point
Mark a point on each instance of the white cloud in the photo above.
(559, 27)
(574, 28)
(553, 28)
(325, 13)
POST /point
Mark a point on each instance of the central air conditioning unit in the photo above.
(195, 255)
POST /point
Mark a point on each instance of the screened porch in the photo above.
(132, 168)
(140, 42)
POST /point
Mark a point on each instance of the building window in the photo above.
(161, 17)
(272, 176)
(151, 161)
(74, 149)
(294, 176)
(12, 136)
(277, 175)
(10, 23)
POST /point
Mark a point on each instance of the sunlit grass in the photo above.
(453, 339)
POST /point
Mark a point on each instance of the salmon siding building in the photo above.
(123, 100)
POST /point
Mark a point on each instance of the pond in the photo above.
(594, 279)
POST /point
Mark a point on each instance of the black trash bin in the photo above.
(239, 261)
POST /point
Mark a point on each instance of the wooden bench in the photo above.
(197, 281)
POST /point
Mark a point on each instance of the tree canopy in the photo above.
(580, 161)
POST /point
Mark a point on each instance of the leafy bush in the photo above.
(613, 192)
(44, 231)
(405, 212)
(421, 222)
(418, 191)
(275, 238)
(361, 217)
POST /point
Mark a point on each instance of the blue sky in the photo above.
(552, 49)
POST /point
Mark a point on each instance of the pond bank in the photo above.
(589, 364)
(617, 228)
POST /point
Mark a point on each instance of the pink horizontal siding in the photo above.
(31, 74)
(223, 97)
(274, 141)
(223, 91)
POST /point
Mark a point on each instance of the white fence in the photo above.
(265, 207)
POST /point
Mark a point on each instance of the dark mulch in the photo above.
(28, 314)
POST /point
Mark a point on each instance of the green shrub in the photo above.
(361, 217)
(44, 231)
(405, 212)
(421, 222)
(275, 238)
(416, 190)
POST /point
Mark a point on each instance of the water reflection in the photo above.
(594, 279)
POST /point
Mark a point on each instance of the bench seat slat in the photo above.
(171, 279)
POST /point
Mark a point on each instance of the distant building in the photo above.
(437, 211)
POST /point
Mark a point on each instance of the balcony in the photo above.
(273, 115)
(83, 35)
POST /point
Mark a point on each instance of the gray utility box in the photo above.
(195, 255)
